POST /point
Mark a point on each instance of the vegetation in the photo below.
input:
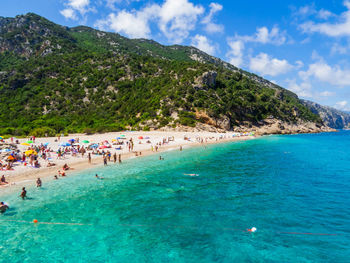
(84, 80)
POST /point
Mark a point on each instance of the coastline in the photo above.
(26, 178)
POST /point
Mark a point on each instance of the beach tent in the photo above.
(25, 144)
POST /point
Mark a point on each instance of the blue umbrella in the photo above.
(6, 150)
(94, 145)
(46, 143)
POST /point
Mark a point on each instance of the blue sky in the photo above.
(303, 46)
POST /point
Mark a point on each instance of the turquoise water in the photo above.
(147, 210)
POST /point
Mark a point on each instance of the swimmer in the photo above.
(38, 182)
(3, 207)
(98, 177)
(161, 158)
(55, 177)
(23, 193)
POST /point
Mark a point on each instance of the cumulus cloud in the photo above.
(203, 43)
(69, 13)
(132, 24)
(235, 53)
(265, 36)
(210, 26)
(342, 105)
(175, 19)
(321, 71)
(266, 65)
(338, 29)
(302, 89)
(76, 6)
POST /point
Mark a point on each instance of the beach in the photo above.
(144, 142)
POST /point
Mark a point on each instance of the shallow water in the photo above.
(147, 210)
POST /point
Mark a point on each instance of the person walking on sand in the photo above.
(24, 193)
(115, 157)
(89, 157)
(38, 182)
(120, 158)
(105, 160)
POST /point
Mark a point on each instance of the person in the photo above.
(24, 193)
(55, 177)
(180, 147)
(65, 167)
(161, 158)
(61, 174)
(115, 157)
(105, 160)
(119, 158)
(3, 180)
(98, 177)
(38, 182)
(3, 207)
(89, 157)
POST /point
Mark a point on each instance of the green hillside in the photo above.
(58, 79)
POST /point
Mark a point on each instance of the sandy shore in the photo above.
(26, 175)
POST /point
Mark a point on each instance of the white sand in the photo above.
(24, 175)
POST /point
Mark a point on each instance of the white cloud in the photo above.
(175, 19)
(210, 26)
(303, 89)
(73, 6)
(265, 36)
(324, 14)
(235, 53)
(339, 29)
(202, 43)
(323, 72)
(69, 13)
(327, 93)
(341, 105)
(266, 65)
(132, 24)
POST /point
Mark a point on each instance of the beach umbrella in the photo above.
(46, 143)
(122, 135)
(113, 140)
(5, 150)
(10, 157)
(29, 141)
(25, 144)
(71, 140)
(1, 138)
(118, 138)
(140, 137)
(103, 147)
(94, 145)
(29, 152)
(85, 141)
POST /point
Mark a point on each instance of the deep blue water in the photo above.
(147, 210)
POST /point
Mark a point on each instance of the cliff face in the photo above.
(331, 117)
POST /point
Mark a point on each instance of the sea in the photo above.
(196, 205)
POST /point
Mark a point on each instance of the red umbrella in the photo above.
(140, 137)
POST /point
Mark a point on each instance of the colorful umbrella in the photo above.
(29, 141)
(25, 144)
(85, 141)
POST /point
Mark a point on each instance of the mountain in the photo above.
(331, 117)
(59, 79)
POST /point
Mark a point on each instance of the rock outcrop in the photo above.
(331, 117)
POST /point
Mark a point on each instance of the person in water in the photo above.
(3, 180)
(24, 193)
(98, 177)
(3, 207)
(38, 182)
(55, 177)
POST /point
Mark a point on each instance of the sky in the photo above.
(303, 46)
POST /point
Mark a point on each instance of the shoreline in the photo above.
(18, 179)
